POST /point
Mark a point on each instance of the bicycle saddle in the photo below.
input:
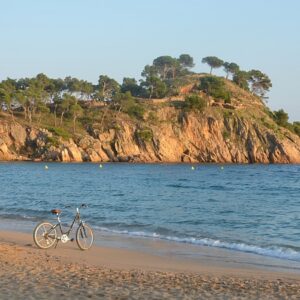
(55, 211)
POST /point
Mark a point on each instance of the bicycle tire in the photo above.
(84, 237)
(44, 235)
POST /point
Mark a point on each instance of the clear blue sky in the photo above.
(86, 38)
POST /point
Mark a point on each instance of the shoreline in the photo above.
(137, 272)
(207, 255)
(160, 255)
(150, 162)
(161, 246)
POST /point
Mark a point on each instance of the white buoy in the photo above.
(100, 166)
(46, 167)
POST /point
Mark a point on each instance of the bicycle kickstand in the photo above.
(57, 240)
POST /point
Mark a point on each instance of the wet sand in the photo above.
(116, 273)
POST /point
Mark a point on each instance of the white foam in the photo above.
(277, 252)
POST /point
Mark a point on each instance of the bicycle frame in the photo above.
(76, 218)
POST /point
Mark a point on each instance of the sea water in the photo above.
(249, 208)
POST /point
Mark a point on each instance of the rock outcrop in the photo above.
(177, 137)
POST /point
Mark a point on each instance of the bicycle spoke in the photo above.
(45, 235)
(84, 237)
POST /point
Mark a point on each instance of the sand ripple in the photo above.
(28, 273)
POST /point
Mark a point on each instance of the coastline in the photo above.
(184, 252)
(165, 273)
(226, 163)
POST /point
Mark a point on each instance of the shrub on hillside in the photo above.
(281, 117)
(195, 102)
(129, 105)
(152, 118)
(59, 132)
(296, 126)
(145, 134)
(215, 87)
(136, 110)
(53, 141)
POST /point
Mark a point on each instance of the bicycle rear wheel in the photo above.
(84, 237)
(44, 235)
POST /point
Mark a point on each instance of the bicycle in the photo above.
(45, 234)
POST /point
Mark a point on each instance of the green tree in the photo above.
(166, 66)
(48, 88)
(8, 95)
(64, 107)
(33, 97)
(260, 83)
(131, 85)
(186, 61)
(76, 111)
(42, 109)
(22, 83)
(169, 68)
(155, 87)
(43, 81)
(230, 68)
(241, 78)
(213, 61)
(55, 104)
(281, 117)
(149, 71)
(122, 100)
(72, 85)
(106, 88)
(86, 90)
(55, 89)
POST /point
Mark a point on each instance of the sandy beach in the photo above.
(114, 273)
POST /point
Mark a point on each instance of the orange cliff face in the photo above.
(191, 138)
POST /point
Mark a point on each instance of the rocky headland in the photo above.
(178, 137)
(240, 132)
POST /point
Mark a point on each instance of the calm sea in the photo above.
(250, 208)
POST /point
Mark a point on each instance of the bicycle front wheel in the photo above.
(84, 237)
(44, 235)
